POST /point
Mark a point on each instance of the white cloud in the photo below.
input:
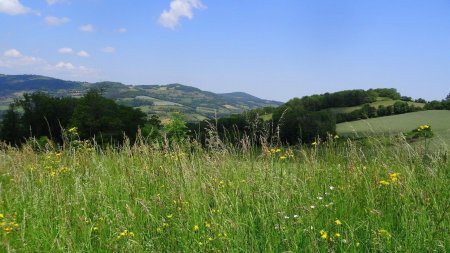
(14, 58)
(178, 9)
(52, 2)
(15, 61)
(122, 30)
(87, 28)
(65, 50)
(65, 65)
(83, 53)
(13, 7)
(12, 53)
(55, 21)
(108, 50)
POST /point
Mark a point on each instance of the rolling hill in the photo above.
(194, 103)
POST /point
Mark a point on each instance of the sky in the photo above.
(273, 49)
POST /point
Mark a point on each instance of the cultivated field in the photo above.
(439, 120)
(337, 196)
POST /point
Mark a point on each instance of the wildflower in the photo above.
(73, 130)
(277, 150)
(195, 228)
(323, 234)
(384, 182)
(283, 157)
(207, 225)
(295, 216)
(312, 207)
(394, 177)
(200, 243)
(95, 228)
(331, 187)
(337, 235)
(319, 198)
(165, 225)
(210, 238)
(286, 217)
(338, 222)
(384, 233)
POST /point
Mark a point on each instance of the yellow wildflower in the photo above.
(73, 130)
(207, 225)
(384, 233)
(384, 182)
(195, 228)
(338, 222)
(337, 235)
(283, 157)
(323, 234)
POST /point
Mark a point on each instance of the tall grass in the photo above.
(333, 197)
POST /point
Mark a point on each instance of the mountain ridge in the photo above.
(195, 103)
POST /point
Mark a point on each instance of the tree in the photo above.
(12, 131)
(176, 130)
(97, 116)
(298, 124)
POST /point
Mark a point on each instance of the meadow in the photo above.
(438, 119)
(335, 196)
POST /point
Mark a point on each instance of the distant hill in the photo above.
(196, 104)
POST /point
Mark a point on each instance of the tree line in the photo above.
(39, 114)
(300, 120)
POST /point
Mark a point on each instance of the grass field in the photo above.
(439, 120)
(380, 101)
(334, 197)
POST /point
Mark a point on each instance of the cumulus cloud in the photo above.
(13, 59)
(87, 28)
(12, 53)
(65, 50)
(55, 21)
(65, 65)
(179, 9)
(108, 50)
(83, 53)
(13, 7)
(122, 30)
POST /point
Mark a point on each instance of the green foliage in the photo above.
(176, 130)
(11, 130)
(300, 125)
(422, 131)
(38, 115)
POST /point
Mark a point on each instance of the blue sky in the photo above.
(274, 49)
